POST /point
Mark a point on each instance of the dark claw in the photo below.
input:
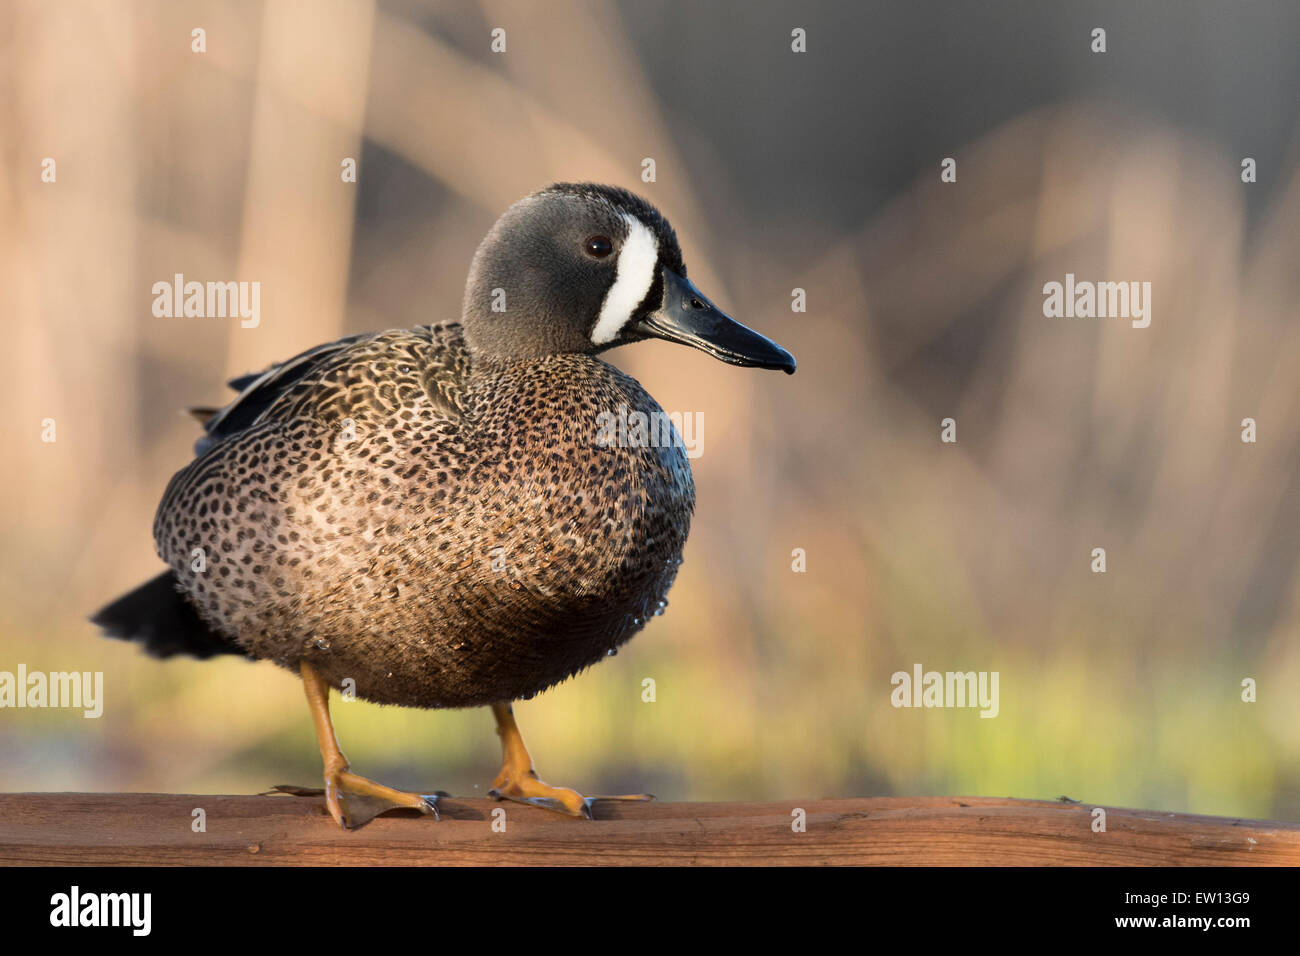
(431, 802)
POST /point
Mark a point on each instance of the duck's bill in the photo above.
(688, 317)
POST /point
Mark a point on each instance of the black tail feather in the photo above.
(160, 617)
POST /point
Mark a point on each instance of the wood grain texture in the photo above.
(155, 829)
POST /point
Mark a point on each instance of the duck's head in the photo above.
(580, 268)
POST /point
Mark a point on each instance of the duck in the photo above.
(439, 517)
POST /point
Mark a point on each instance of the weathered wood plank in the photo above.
(155, 829)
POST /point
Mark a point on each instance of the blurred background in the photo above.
(780, 170)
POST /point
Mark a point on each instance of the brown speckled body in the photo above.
(443, 533)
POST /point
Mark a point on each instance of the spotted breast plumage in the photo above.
(439, 515)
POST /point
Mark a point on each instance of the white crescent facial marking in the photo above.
(632, 280)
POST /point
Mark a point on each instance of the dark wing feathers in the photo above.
(259, 391)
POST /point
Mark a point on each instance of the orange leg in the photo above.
(373, 798)
(519, 781)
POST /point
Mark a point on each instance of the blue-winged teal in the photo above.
(437, 514)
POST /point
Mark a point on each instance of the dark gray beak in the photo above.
(686, 316)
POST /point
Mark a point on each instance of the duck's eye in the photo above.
(599, 246)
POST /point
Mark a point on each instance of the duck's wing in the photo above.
(311, 380)
(258, 391)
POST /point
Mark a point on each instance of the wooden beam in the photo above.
(156, 829)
